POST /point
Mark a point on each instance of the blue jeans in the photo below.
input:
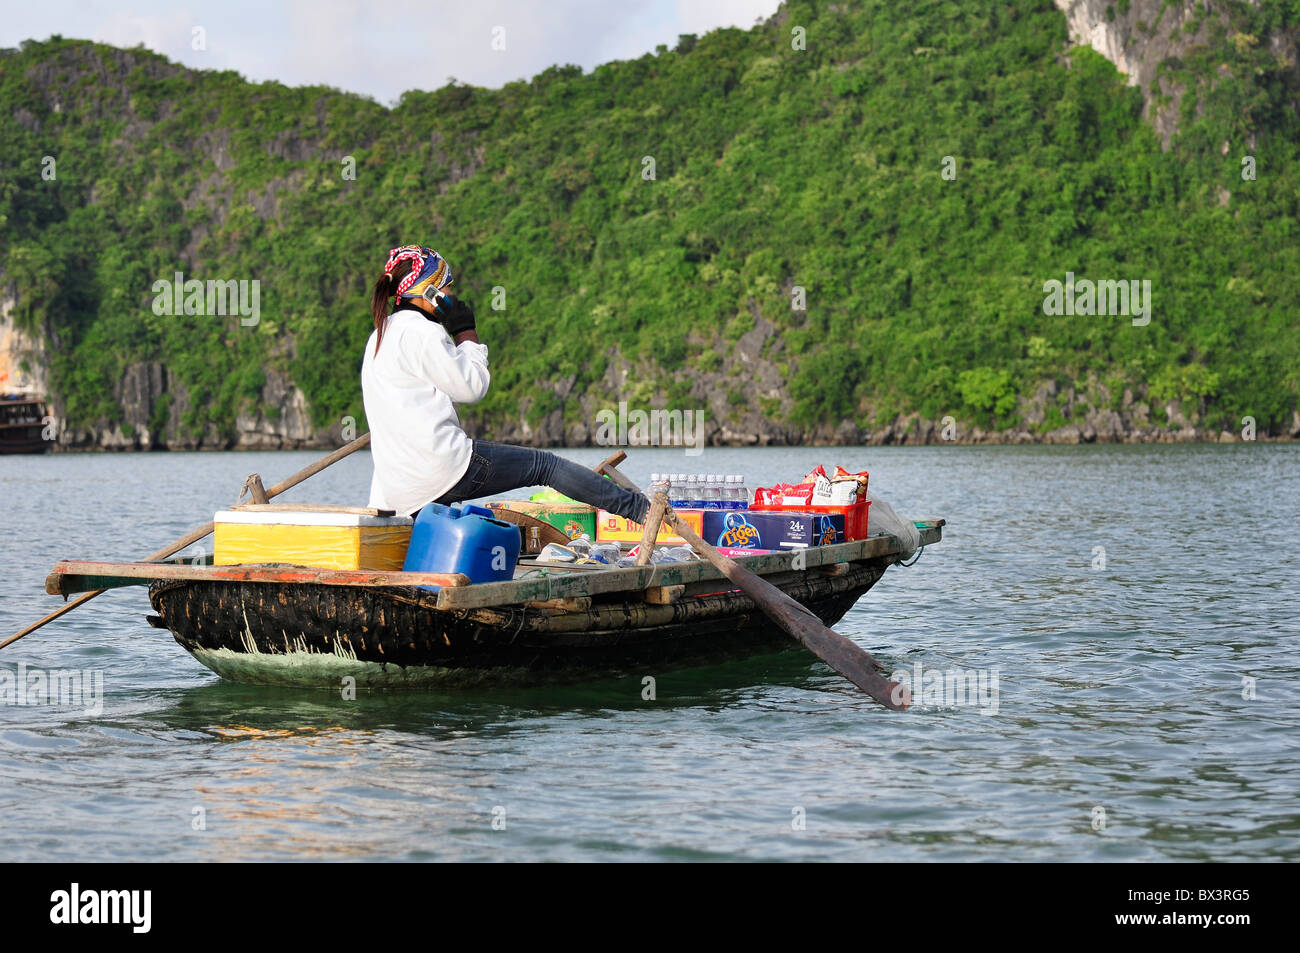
(498, 467)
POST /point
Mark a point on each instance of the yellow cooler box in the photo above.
(322, 537)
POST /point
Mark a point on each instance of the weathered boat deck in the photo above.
(533, 582)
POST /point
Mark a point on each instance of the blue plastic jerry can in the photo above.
(464, 539)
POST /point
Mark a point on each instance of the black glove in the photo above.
(454, 314)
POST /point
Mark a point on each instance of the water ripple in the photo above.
(1146, 710)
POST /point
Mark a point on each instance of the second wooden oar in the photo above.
(193, 537)
(847, 658)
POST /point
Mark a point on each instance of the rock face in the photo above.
(22, 355)
(734, 400)
(742, 394)
(282, 419)
(154, 406)
(1137, 37)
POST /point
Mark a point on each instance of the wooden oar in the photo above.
(606, 467)
(190, 538)
(654, 519)
(847, 658)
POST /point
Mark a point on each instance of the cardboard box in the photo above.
(615, 529)
(571, 519)
(322, 538)
(771, 529)
(856, 520)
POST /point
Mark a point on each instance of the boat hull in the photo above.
(305, 634)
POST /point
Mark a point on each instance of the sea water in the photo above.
(1104, 650)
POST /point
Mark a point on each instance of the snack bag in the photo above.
(821, 495)
(796, 494)
(848, 487)
(785, 494)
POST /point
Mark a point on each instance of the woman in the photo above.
(420, 359)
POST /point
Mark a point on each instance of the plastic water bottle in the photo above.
(677, 492)
(677, 554)
(692, 495)
(715, 492)
(739, 493)
(728, 492)
(659, 483)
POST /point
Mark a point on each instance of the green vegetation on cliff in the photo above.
(773, 167)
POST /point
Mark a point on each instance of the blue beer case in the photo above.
(752, 529)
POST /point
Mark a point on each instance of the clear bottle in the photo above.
(742, 493)
(715, 492)
(729, 492)
(692, 494)
(677, 491)
(659, 483)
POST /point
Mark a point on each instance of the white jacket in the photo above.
(418, 447)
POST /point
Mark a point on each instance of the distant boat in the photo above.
(22, 419)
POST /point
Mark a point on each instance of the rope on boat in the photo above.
(912, 561)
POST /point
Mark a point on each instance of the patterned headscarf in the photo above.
(428, 270)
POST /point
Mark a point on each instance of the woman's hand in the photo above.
(455, 315)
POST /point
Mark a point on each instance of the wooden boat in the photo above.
(22, 419)
(287, 625)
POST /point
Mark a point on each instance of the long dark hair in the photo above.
(384, 288)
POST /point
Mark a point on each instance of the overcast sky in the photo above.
(381, 48)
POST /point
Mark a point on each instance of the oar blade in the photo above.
(854, 664)
(841, 654)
